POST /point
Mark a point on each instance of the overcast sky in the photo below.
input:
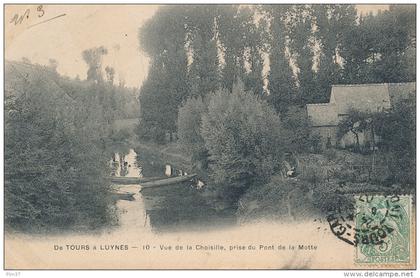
(82, 27)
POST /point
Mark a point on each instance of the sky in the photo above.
(62, 32)
(64, 38)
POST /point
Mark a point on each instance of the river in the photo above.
(173, 208)
(152, 228)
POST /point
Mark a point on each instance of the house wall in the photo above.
(365, 139)
(326, 132)
(348, 140)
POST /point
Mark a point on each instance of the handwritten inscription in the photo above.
(18, 18)
(40, 11)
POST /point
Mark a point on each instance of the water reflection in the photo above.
(125, 165)
(169, 208)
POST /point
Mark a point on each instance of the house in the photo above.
(323, 118)
(368, 98)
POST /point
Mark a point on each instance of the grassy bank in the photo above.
(324, 182)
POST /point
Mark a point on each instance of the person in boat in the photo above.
(124, 169)
(291, 173)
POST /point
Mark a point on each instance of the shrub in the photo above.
(244, 138)
(327, 199)
(120, 136)
(330, 154)
(150, 131)
(314, 175)
(314, 142)
(272, 199)
(295, 122)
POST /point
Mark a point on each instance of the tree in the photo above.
(332, 22)
(358, 51)
(281, 83)
(53, 64)
(301, 41)
(297, 130)
(395, 38)
(397, 130)
(244, 139)
(255, 44)
(380, 47)
(93, 58)
(110, 74)
(231, 38)
(355, 122)
(155, 112)
(204, 71)
(204, 75)
(164, 38)
(55, 159)
(189, 130)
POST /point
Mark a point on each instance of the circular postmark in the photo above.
(368, 221)
(377, 225)
(341, 222)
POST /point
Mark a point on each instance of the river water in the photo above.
(172, 208)
(131, 214)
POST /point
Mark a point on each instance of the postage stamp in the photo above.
(382, 229)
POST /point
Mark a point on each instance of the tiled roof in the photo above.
(362, 97)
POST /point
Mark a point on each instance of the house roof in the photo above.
(362, 97)
(322, 114)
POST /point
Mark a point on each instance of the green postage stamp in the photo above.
(383, 229)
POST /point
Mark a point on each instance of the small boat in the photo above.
(165, 182)
(127, 196)
(132, 180)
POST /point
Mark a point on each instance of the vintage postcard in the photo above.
(210, 136)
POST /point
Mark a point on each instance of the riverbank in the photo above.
(323, 182)
(165, 154)
(330, 178)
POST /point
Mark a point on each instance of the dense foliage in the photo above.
(189, 130)
(57, 147)
(397, 130)
(290, 54)
(243, 137)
